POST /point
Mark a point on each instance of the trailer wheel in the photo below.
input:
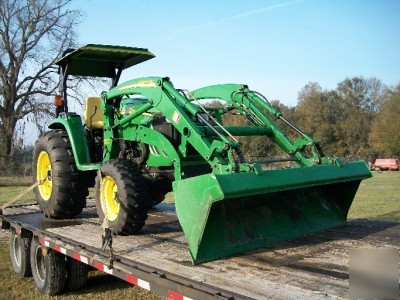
(121, 196)
(19, 252)
(48, 269)
(63, 188)
(77, 274)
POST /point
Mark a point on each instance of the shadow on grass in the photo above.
(99, 282)
(387, 217)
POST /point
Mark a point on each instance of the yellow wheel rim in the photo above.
(108, 198)
(44, 175)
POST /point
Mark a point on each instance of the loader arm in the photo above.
(251, 103)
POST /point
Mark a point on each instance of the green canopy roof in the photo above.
(102, 60)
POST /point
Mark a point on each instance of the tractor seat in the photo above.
(93, 113)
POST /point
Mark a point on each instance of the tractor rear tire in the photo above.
(63, 188)
(121, 196)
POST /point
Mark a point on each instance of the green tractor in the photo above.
(144, 138)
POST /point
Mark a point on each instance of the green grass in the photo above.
(378, 198)
(10, 187)
(13, 181)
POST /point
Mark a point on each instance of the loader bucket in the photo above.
(222, 215)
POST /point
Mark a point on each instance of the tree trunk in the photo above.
(7, 134)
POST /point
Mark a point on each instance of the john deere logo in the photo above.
(139, 84)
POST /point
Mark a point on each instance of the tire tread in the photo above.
(70, 187)
(132, 193)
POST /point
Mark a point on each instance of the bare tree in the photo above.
(33, 33)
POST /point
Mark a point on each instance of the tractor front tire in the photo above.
(63, 188)
(121, 196)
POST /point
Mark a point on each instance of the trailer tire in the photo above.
(20, 254)
(77, 274)
(122, 196)
(64, 190)
(48, 269)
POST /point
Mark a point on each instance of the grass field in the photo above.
(378, 198)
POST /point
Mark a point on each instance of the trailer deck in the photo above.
(157, 259)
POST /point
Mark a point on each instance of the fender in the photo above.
(73, 125)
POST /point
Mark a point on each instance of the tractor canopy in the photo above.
(102, 60)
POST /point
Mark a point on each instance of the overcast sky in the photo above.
(276, 47)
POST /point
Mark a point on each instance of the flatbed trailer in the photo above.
(312, 267)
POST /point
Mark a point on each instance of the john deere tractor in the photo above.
(144, 138)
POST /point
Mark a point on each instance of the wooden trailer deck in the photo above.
(314, 267)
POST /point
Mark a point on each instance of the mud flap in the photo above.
(222, 215)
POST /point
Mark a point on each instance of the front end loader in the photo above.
(144, 138)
